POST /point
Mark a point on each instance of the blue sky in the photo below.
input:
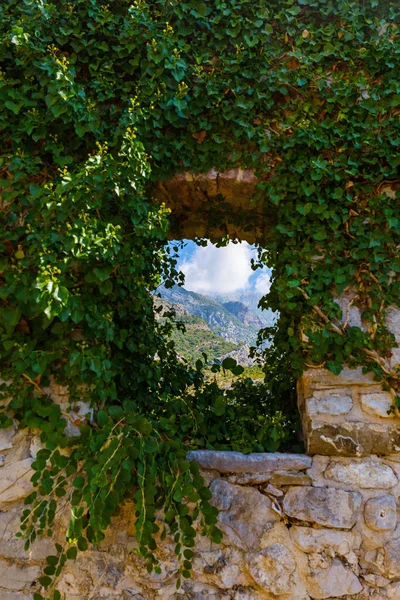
(213, 271)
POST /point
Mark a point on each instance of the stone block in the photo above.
(329, 541)
(245, 514)
(393, 591)
(380, 513)
(16, 577)
(273, 569)
(15, 481)
(6, 437)
(393, 321)
(290, 478)
(365, 474)
(391, 552)
(333, 582)
(236, 462)
(328, 507)
(334, 404)
(352, 438)
(377, 405)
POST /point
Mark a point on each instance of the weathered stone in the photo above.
(290, 478)
(248, 478)
(393, 321)
(352, 438)
(273, 569)
(245, 514)
(366, 474)
(273, 491)
(324, 506)
(335, 404)
(13, 547)
(377, 405)
(329, 541)
(15, 481)
(392, 558)
(376, 580)
(6, 437)
(16, 577)
(236, 462)
(380, 513)
(2, 460)
(334, 582)
(7, 595)
(393, 591)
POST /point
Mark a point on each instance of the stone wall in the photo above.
(351, 414)
(295, 528)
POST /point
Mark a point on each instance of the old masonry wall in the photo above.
(296, 527)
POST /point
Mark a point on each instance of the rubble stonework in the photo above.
(350, 414)
(295, 527)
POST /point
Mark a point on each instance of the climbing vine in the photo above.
(99, 101)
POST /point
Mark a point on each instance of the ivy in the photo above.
(97, 103)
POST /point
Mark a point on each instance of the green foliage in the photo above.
(98, 103)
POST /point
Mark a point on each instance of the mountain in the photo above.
(198, 337)
(232, 319)
(250, 299)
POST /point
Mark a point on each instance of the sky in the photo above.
(217, 271)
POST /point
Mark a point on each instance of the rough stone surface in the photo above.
(15, 481)
(335, 404)
(352, 438)
(313, 541)
(236, 462)
(273, 569)
(6, 437)
(245, 514)
(377, 405)
(290, 478)
(366, 474)
(323, 532)
(392, 558)
(15, 577)
(393, 591)
(324, 506)
(380, 513)
(334, 582)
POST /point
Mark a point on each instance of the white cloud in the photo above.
(263, 284)
(218, 270)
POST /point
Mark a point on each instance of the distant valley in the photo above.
(216, 326)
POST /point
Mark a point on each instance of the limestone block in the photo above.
(245, 515)
(290, 478)
(6, 437)
(380, 513)
(334, 404)
(13, 547)
(392, 558)
(377, 405)
(325, 506)
(329, 541)
(16, 577)
(15, 481)
(7, 595)
(333, 582)
(393, 322)
(236, 462)
(393, 591)
(273, 569)
(352, 438)
(365, 474)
